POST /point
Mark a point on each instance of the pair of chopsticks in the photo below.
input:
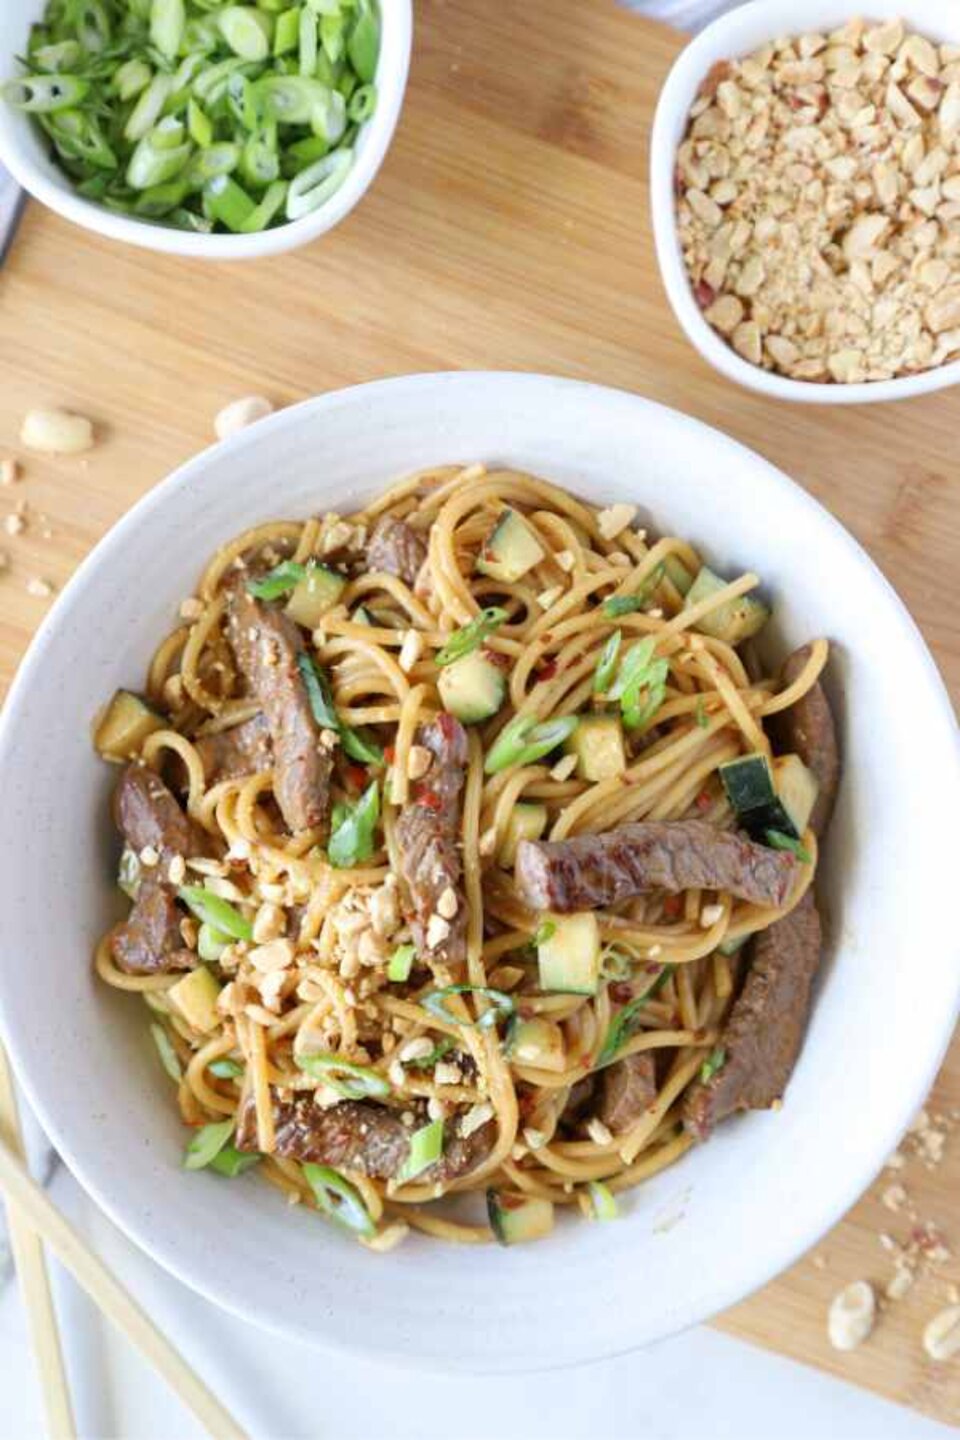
(33, 1219)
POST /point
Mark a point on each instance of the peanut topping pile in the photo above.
(819, 203)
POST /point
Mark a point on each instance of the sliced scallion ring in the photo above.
(312, 187)
(168, 1056)
(501, 1005)
(426, 1147)
(603, 1203)
(338, 1200)
(524, 741)
(207, 1143)
(213, 910)
(353, 1082)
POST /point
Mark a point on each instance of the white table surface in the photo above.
(698, 1384)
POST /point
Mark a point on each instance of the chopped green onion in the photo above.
(152, 164)
(286, 32)
(401, 963)
(701, 714)
(338, 1200)
(207, 164)
(615, 964)
(463, 642)
(146, 112)
(228, 202)
(211, 942)
(279, 581)
(363, 46)
(232, 1162)
(274, 198)
(715, 1061)
(247, 31)
(426, 1147)
(524, 741)
(544, 932)
(331, 36)
(621, 1027)
(213, 910)
(362, 104)
(167, 21)
(360, 747)
(627, 604)
(207, 1144)
(226, 1069)
(318, 692)
(352, 841)
(501, 1005)
(427, 1062)
(607, 663)
(311, 188)
(778, 841)
(354, 1082)
(602, 1201)
(131, 78)
(65, 56)
(45, 94)
(307, 41)
(168, 1056)
(639, 671)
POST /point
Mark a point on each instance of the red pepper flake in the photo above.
(673, 907)
(704, 800)
(621, 991)
(494, 657)
(547, 670)
(430, 800)
(356, 777)
(390, 754)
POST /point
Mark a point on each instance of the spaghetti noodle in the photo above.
(324, 996)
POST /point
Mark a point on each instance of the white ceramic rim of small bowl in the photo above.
(392, 71)
(738, 32)
(830, 1208)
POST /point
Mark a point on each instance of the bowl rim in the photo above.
(779, 1254)
(676, 96)
(393, 68)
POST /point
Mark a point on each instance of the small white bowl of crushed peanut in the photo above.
(806, 197)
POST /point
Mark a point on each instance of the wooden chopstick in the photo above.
(117, 1304)
(35, 1283)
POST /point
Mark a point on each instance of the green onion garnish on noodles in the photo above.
(603, 1204)
(279, 581)
(501, 1005)
(353, 1082)
(207, 1144)
(778, 841)
(621, 1027)
(401, 963)
(232, 1162)
(607, 663)
(524, 741)
(427, 1062)
(358, 745)
(700, 714)
(318, 692)
(168, 1056)
(338, 1200)
(463, 642)
(544, 932)
(213, 910)
(714, 1062)
(352, 839)
(640, 672)
(211, 943)
(426, 1147)
(226, 1069)
(627, 604)
(128, 874)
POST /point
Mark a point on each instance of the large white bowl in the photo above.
(25, 154)
(732, 35)
(696, 1238)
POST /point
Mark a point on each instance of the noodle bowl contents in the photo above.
(470, 849)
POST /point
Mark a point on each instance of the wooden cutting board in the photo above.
(509, 229)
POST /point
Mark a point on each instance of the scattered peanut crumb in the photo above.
(42, 589)
(941, 1336)
(239, 414)
(9, 472)
(191, 608)
(56, 432)
(14, 524)
(851, 1316)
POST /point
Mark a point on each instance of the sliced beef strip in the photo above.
(628, 1088)
(149, 940)
(594, 870)
(395, 548)
(266, 644)
(807, 729)
(148, 815)
(762, 1038)
(579, 1102)
(428, 839)
(243, 750)
(358, 1135)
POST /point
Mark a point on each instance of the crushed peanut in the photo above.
(941, 1336)
(615, 519)
(851, 1315)
(410, 650)
(419, 761)
(39, 587)
(239, 414)
(819, 204)
(9, 471)
(191, 608)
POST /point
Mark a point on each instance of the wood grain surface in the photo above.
(508, 229)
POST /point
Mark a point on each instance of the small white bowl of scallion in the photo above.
(201, 127)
